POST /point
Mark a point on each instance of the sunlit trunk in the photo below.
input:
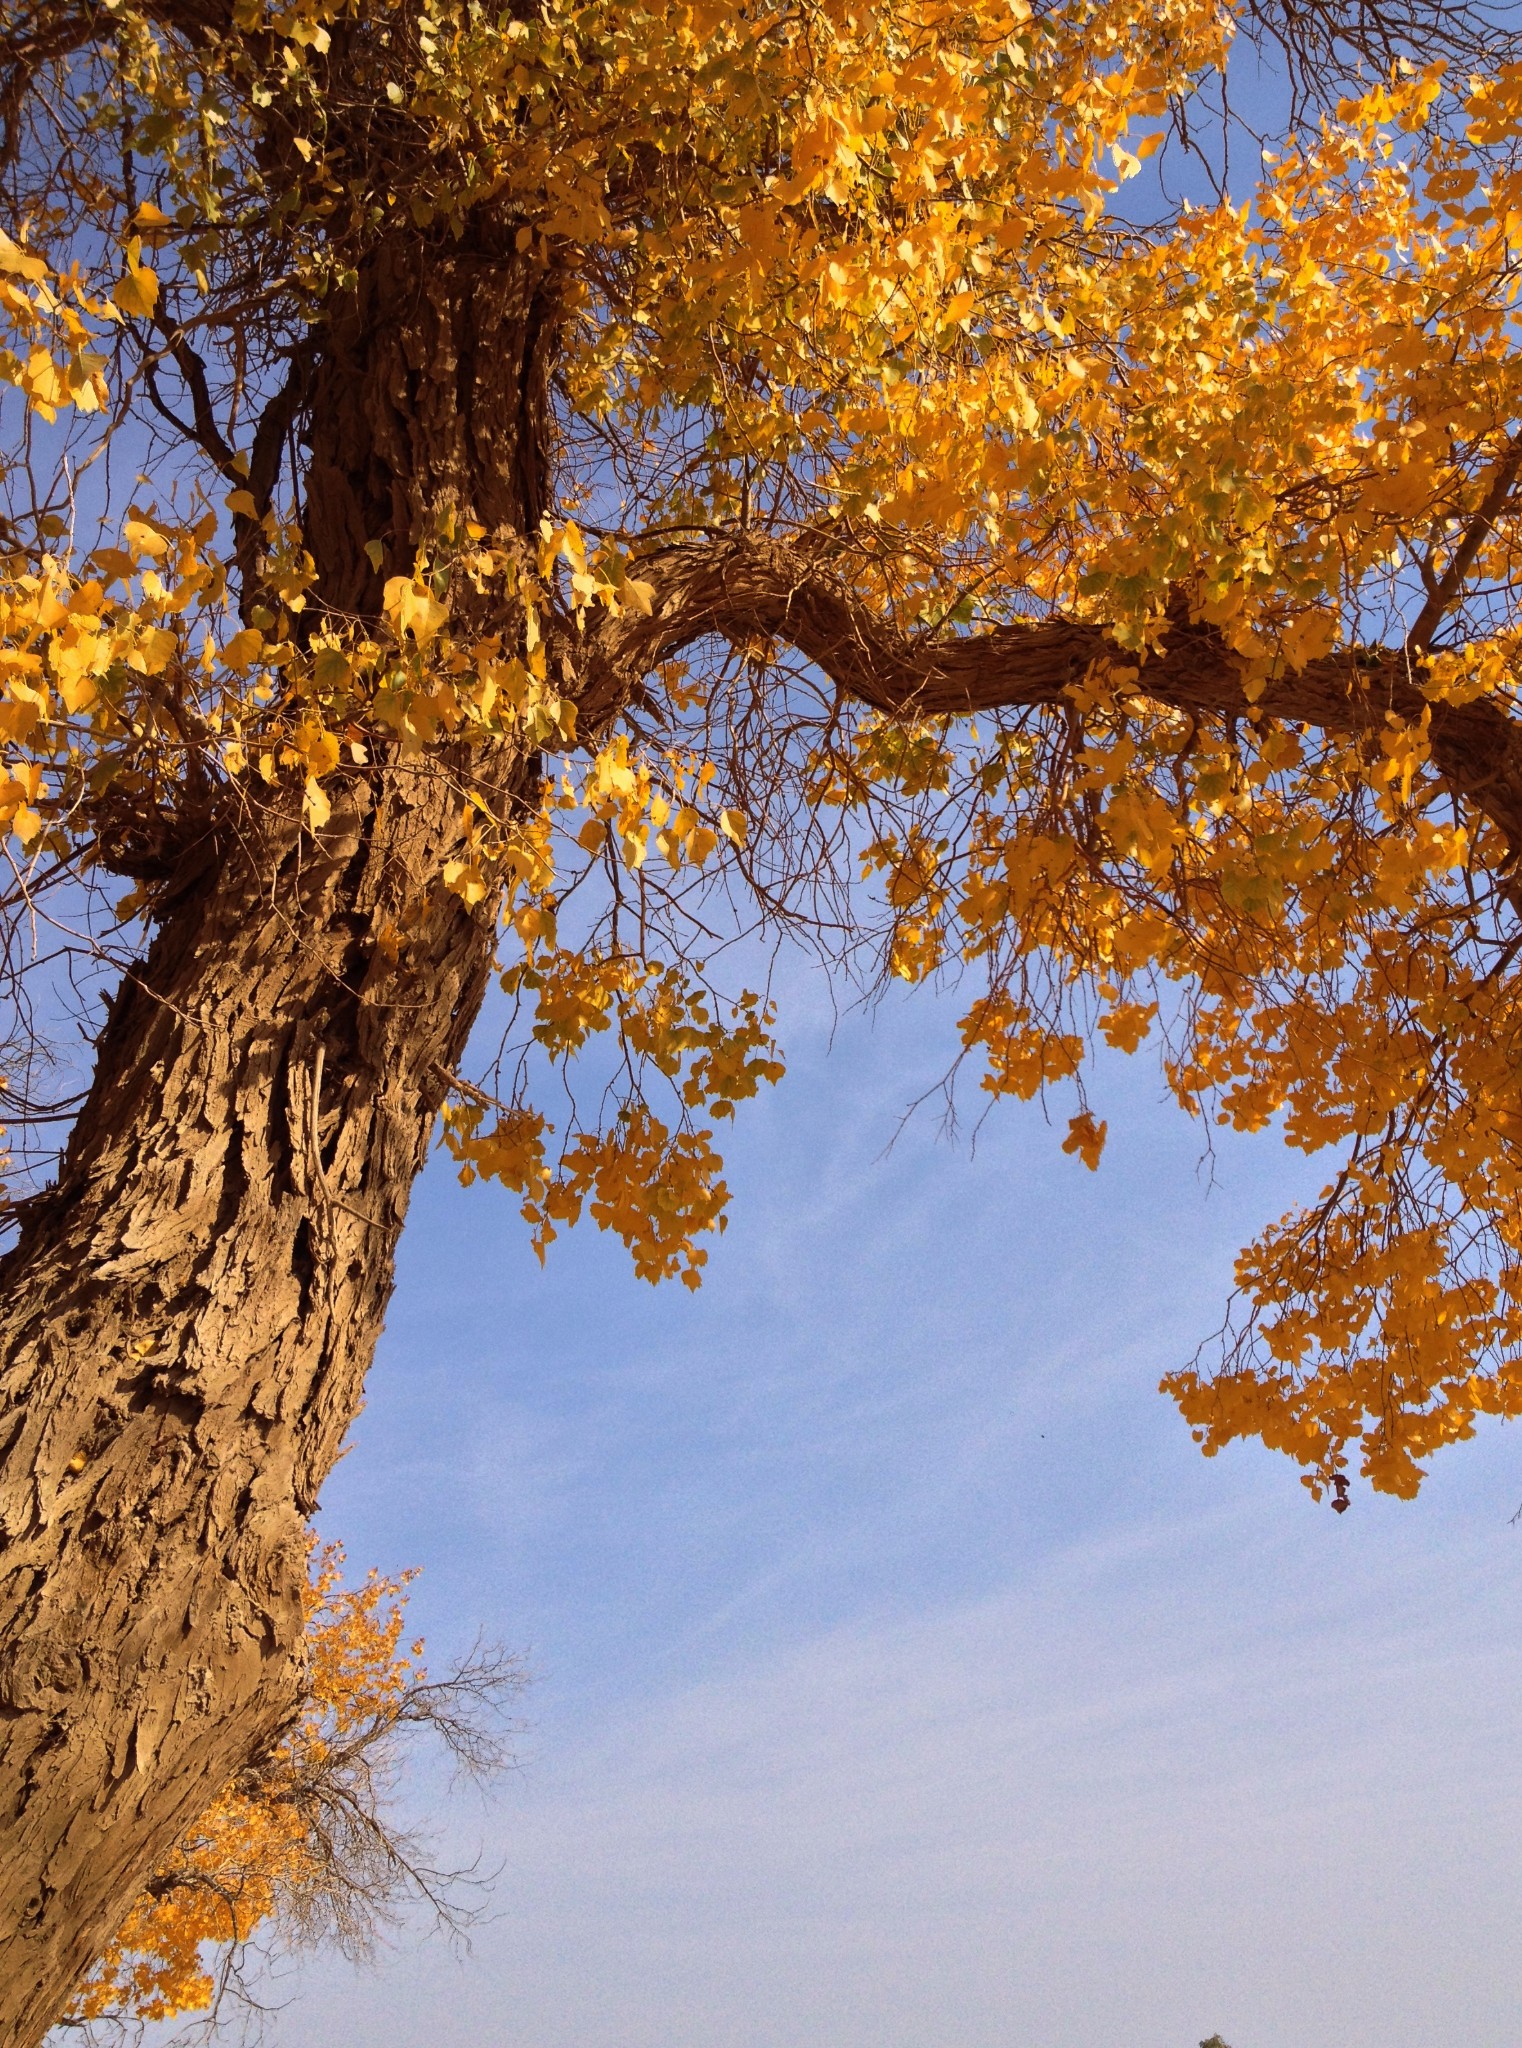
(186, 1321)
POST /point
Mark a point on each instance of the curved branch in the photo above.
(751, 588)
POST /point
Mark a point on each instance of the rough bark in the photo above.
(432, 392)
(186, 1324)
(187, 1318)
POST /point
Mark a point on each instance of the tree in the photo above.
(300, 1844)
(617, 487)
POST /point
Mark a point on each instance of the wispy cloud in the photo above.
(906, 1679)
(1181, 1781)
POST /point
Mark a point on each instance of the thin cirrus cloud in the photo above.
(904, 1677)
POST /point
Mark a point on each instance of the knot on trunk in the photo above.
(167, 849)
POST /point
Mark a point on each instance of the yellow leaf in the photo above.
(76, 660)
(136, 291)
(155, 650)
(317, 747)
(149, 223)
(1086, 1138)
(42, 381)
(243, 648)
(15, 262)
(464, 879)
(144, 539)
(412, 609)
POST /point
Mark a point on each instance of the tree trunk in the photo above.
(186, 1321)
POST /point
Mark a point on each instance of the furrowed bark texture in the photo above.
(186, 1321)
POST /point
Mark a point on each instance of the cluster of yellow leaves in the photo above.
(103, 683)
(123, 669)
(897, 219)
(553, 107)
(655, 1188)
(656, 1185)
(658, 1188)
(46, 341)
(631, 801)
(893, 216)
(252, 1858)
(1337, 971)
(91, 671)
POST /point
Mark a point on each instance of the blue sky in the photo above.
(903, 1675)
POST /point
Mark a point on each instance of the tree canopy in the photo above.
(563, 500)
(934, 556)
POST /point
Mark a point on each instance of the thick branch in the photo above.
(757, 589)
